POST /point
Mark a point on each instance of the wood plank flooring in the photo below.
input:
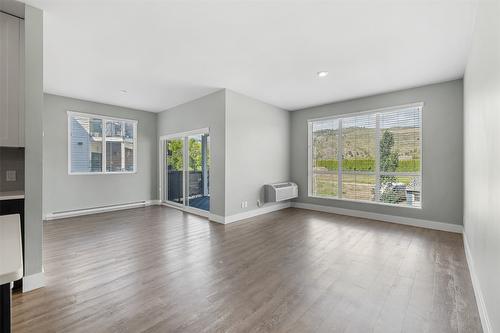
(157, 269)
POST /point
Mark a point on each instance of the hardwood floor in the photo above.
(157, 269)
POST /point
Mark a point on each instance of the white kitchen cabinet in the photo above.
(11, 96)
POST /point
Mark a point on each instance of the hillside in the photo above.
(359, 148)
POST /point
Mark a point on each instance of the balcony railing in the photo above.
(175, 184)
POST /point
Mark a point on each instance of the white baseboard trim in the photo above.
(256, 212)
(32, 282)
(248, 214)
(216, 218)
(233, 218)
(89, 211)
(382, 217)
(481, 305)
(187, 209)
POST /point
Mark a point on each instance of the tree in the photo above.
(194, 154)
(389, 161)
(176, 154)
(175, 157)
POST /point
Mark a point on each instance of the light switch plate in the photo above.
(10, 176)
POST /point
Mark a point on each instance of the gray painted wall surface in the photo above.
(482, 155)
(11, 158)
(33, 99)
(207, 111)
(63, 192)
(257, 150)
(442, 132)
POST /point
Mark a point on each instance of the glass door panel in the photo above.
(175, 170)
(198, 172)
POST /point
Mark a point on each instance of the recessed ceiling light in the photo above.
(123, 91)
(322, 74)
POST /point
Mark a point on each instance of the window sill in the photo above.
(101, 173)
(364, 202)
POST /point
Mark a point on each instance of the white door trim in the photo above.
(187, 133)
(163, 183)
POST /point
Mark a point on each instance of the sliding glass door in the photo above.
(175, 170)
(198, 175)
(186, 170)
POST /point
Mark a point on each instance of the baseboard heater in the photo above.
(94, 210)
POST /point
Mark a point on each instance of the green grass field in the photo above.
(367, 165)
(359, 146)
(358, 187)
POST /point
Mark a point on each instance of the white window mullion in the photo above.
(339, 160)
(103, 145)
(122, 147)
(136, 149)
(401, 174)
(90, 149)
(420, 124)
(310, 154)
(185, 188)
(401, 129)
(86, 142)
(377, 157)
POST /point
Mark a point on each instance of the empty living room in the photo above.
(249, 166)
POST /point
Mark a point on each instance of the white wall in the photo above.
(64, 192)
(207, 111)
(482, 160)
(257, 150)
(442, 135)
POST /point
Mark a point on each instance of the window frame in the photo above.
(377, 172)
(104, 119)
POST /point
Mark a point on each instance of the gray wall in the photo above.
(442, 149)
(33, 100)
(482, 156)
(208, 111)
(11, 159)
(63, 192)
(257, 150)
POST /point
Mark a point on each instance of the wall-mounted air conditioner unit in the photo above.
(280, 191)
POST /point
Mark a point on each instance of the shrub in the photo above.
(367, 165)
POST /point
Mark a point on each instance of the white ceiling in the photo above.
(165, 53)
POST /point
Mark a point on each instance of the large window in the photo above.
(370, 157)
(100, 144)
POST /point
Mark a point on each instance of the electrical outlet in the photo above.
(10, 175)
(244, 204)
